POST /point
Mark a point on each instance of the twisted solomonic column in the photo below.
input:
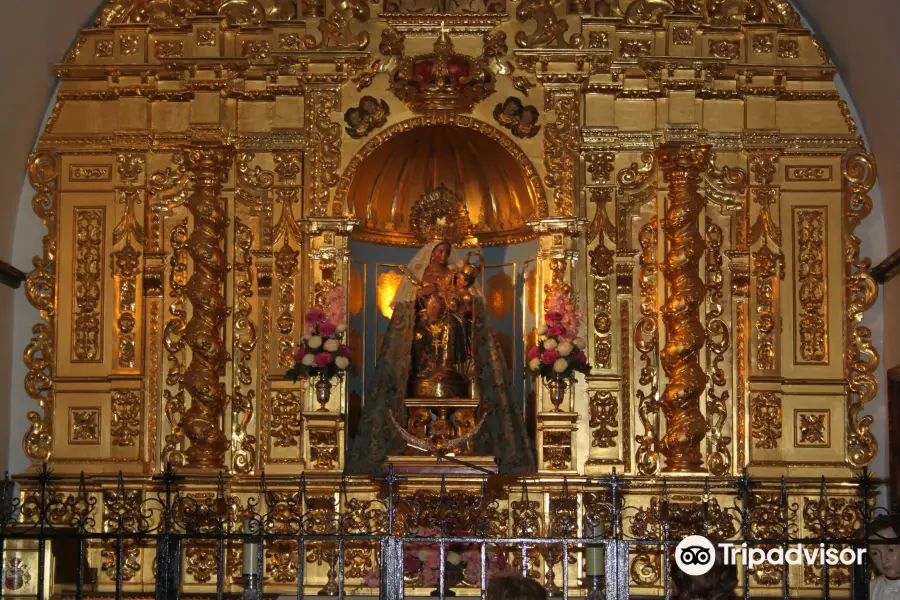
(202, 422)
(682, 165)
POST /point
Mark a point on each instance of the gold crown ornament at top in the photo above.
(440, 216)
(442, 80)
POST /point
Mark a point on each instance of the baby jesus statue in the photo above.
(885, 557)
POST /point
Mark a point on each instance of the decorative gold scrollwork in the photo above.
(861, 357)
(549, 28)
(40, 289)
(335, 29)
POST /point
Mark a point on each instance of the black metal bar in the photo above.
(42, 542)
(665, 535)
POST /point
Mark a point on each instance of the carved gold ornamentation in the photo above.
(646, 341)
(40, 289)
(202, 422)
(861, 291)
(286, 422)
(604, 408)
(323, 448)
(439, 215)
(788, 49)
(207, 36)
(763, 43)
(561, 140)
(75, 51)
(557, 446)
(84, 425)
(174, 345)
(718, 340)
(634, 48)
(549, 28)
(164, 49)
(811, 272)
(637, 186)
(87, 328)
(125, 426)
(683, 36)
(244, 336)
(256, 49)
(325, 148)
(288, 164)
(765, 420)
(740, 359)
(126, 262)
(765, 267)
(811, 428)
(103, 48)
(601, 272)
(729, 49)
(122, 514)
(90, 173)
(201, 561)
(154, 343)
(682, 165)
(839, 518)
(336, 31)
(808, 173)
(598, 40)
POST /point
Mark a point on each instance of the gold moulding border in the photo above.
(503, 238)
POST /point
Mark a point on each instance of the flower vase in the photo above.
(323, 392)
(558, 387)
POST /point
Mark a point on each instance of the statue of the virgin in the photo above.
(440, 298)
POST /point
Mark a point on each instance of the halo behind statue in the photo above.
(441, 215)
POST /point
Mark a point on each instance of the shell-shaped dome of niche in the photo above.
(498, 195)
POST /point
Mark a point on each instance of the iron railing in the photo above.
(636, 521)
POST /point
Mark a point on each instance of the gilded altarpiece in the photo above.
(695, 185)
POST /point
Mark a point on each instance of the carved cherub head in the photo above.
(369, 104)
(354, 117)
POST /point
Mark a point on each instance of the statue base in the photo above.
(432, 465)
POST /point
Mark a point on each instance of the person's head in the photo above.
(435, 306)
(515, 587)
(716, 584)
(464, 280)
(441, 253)
(886, 557)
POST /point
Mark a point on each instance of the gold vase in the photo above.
(323, 392)
(558, 387)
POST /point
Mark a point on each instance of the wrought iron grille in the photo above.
(281, 532)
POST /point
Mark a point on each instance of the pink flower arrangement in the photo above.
(559, 352)
(321, 353)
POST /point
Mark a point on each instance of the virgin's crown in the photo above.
(442, 80)
(440, 215)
